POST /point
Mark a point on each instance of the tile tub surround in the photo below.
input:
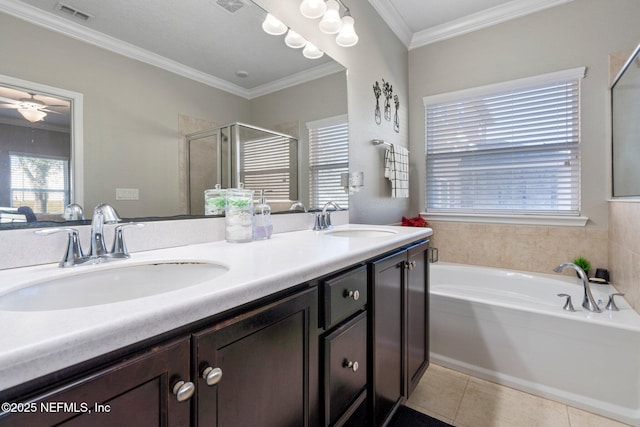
(37, 343)
(465, 401)
(624, 249)
(518, 247)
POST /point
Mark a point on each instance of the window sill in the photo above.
(548, 220)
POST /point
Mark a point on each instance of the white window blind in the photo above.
(512, 148)
(42, 183)
(328, 159)
(266, 164)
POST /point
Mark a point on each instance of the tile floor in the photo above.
(465, 401)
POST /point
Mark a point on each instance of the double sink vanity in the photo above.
(307, 328)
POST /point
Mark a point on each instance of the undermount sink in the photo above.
(111, 285)
(361, 232)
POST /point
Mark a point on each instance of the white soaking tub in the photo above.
(509, 327)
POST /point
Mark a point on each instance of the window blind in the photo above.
(513, 150)
(42, 183)
(266, 164)
(328, 159)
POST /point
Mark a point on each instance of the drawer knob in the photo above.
(351, 365)
(410, 265)
(355, 295)
(183, 390)
(211, 375)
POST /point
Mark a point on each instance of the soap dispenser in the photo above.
(262, 226)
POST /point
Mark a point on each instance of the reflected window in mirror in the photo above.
(328, 160)
(38, 146)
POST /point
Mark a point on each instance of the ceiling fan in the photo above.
(31, 108)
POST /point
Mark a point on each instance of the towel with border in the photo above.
(396, 170)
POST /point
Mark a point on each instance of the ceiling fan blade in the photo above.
(50, 111)
(9, 100)
(15, 107)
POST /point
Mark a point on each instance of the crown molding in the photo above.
(393, 19)
(296, 79)
(52, 22)
(495, 15)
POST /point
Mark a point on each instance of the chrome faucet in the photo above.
(297, 204)
(102, 214)
(588, 302)
(323, 219)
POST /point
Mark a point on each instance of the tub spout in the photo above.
(588, 302)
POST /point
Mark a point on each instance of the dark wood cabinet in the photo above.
(399, 312)
(344, 345)
(266, 367)
(416, 316)
(137, 391)
(343, 350)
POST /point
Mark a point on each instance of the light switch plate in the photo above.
(127, 194)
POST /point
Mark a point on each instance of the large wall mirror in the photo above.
(625, 114)
(127, 134)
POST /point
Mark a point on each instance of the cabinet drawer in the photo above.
(344, 295)
(345, 367)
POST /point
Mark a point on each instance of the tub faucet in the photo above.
(588, 302)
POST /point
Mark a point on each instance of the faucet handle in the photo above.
(73, 255)
(568, 306)
(611, 305)
(317, 225)
(119, 249)
(327, 221)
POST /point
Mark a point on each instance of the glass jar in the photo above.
(238, 213)
(214, 201)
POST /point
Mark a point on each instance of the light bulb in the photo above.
(347, 36)
(294, 40)
(273, 26)
(313, 9)
(331, 23)
(311, 51)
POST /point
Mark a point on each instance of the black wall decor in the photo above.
(387, 90)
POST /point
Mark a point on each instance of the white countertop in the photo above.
(35, 343)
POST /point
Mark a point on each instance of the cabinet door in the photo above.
(266, 364)
(136, 392)
(386, 305)
(417, 315)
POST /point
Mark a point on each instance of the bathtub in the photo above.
(509, 327)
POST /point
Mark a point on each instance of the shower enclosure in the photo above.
(260, 159)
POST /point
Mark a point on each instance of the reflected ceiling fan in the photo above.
(31, 109)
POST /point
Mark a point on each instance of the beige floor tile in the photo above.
(439, 393)
(580, 418)
(486, 404)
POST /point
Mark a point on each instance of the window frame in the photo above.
(524, 217)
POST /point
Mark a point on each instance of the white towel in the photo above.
(396, 170)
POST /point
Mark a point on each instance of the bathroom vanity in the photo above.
(305, 329)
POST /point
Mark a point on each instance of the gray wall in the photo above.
(579, 33)
(131, 111)
(378, 55)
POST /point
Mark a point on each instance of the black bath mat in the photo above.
(407, 417)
